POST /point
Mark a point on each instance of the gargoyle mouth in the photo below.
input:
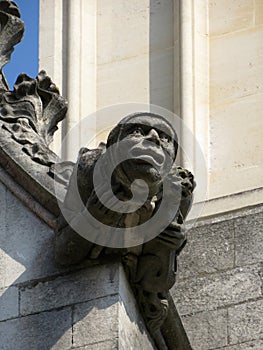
(153, 156)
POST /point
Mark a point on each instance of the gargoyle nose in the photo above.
(153, 136)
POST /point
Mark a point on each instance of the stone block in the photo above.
(128, 80)
(239, 56)
(206, 330)
(10, 269)
(77, 287)
(217, 290)
(49, 330)
(246, 322)
(258, 12)
(210, 248)
(162, 36)
(123, 81)
(95, 321)
(114, 319)
(138, 23)
(8, 303)
(249, 240)
(105, 345)
(26, 245)
(2, 206)
(132, 331)
(231, 174)
(228, 16)
(161, 86)
(253, 345)
(120, 22)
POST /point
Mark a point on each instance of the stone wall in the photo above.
(236, 95)
(218, 293)
(102, 53)
(219, 289)
(45, 307)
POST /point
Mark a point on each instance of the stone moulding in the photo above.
(27, 199)
(29, 115)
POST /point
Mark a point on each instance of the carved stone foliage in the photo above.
(28, 119)
(33, 109)
(11, 33)
(31, 113)
(12, 29)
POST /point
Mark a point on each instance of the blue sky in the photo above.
(25, 57)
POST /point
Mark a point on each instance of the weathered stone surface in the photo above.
(226, 16)
(35, 128)
(253, 345)
(96, 321)
(8, 303)
(11, 30)
(207, 293)
(249, 242)
(244, 110)
(207, 330)
(49, 330)
(132, 331)
(105, 345)
(2, 204)
(246, 322)
(26, 243)
(210, 248)
(114, 319)
(258, 12)
(77, 287)
(235, 105)
(241, 66)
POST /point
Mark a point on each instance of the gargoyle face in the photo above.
(148, 143)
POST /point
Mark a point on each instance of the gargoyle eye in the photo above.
(165, 138)
(138, 131)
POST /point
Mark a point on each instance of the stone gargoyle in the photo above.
(148, 143)
(127, 197)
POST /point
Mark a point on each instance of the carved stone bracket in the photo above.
(31, 113)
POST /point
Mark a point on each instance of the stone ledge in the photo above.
(210, 249)
(27, 199)
(226, 208)
(74, 288)
(252, 345)
(218, 290)
(9, 307)
(48, 330)
(207, 330)
(245, 321)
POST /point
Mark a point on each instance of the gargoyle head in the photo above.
(149, 144)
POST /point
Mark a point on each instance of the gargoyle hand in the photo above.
(173, 236)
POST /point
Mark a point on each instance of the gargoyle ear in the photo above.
(62, 171)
